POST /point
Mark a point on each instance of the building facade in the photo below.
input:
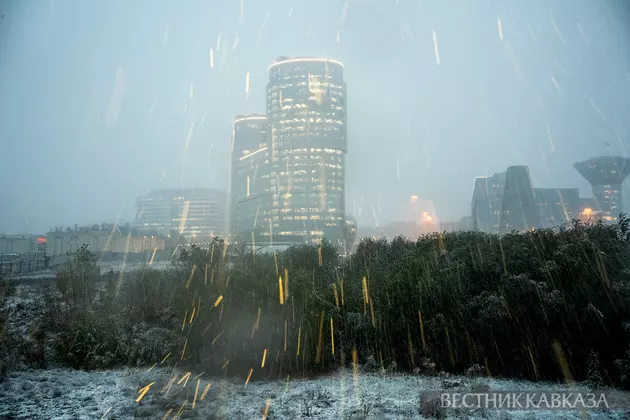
(61, 243)
(518, 210)
(486, 203)
(507, 201)
(154, 211)
(306, 115)
(197, 213)
(250, 198)
(557, 205)
(22, 244)
(606, 174)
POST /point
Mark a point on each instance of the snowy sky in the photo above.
(98, 99)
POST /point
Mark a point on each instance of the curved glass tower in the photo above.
(306, 115)
(606, 174)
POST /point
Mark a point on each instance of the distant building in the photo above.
(390, 231)
(486, 203)
(306, 115)
(506, 201)
(557, 205)
(518, 211)
(154, 211)
(250, 198)
(465, 223)
(196, 213)
(22, 244)
(351, 230)
(118, 241)
(606, 174)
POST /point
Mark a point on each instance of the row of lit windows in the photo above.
(297, 167)
(330, 178)
(306, 99)
(323, 205)
(329, 151)
(311, 157)
(291, 83)
(318, 120)
(300, 129)
(302, 196)
(314, 171)
(285, 109)
(277, 117)
(302, 108)
(303, 210)
(304, 117)
(302, 233)
(286, 136)
(286, 211)
(317, 79)
(330, 189)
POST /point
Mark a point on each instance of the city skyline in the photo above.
(107, 123)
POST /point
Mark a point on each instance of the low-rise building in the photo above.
(117, 241)
(557, 205)
(21, 244)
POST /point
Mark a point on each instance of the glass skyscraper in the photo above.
(306, 115)
(250, 197)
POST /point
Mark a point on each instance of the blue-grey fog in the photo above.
(101, 102)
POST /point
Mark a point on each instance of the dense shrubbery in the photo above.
(538, 305)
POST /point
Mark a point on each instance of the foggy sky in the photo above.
(101, 101)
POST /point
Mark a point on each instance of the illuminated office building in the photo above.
(306, 115)
(250, 189)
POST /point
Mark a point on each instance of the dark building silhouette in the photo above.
(606, 174)
(250, 199)
(486, 203)
(557, 205)
(306, 112)
(519, 211)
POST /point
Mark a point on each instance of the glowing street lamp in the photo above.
(414, 198)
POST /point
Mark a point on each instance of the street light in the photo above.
(414, 198)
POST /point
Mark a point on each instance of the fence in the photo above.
(24, 265)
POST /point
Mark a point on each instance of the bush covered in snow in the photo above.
(540, 305)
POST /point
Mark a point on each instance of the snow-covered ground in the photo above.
(105, 267)
(69, 394)
(129, 266)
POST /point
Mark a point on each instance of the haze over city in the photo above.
(102, 102)
(335, 209)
